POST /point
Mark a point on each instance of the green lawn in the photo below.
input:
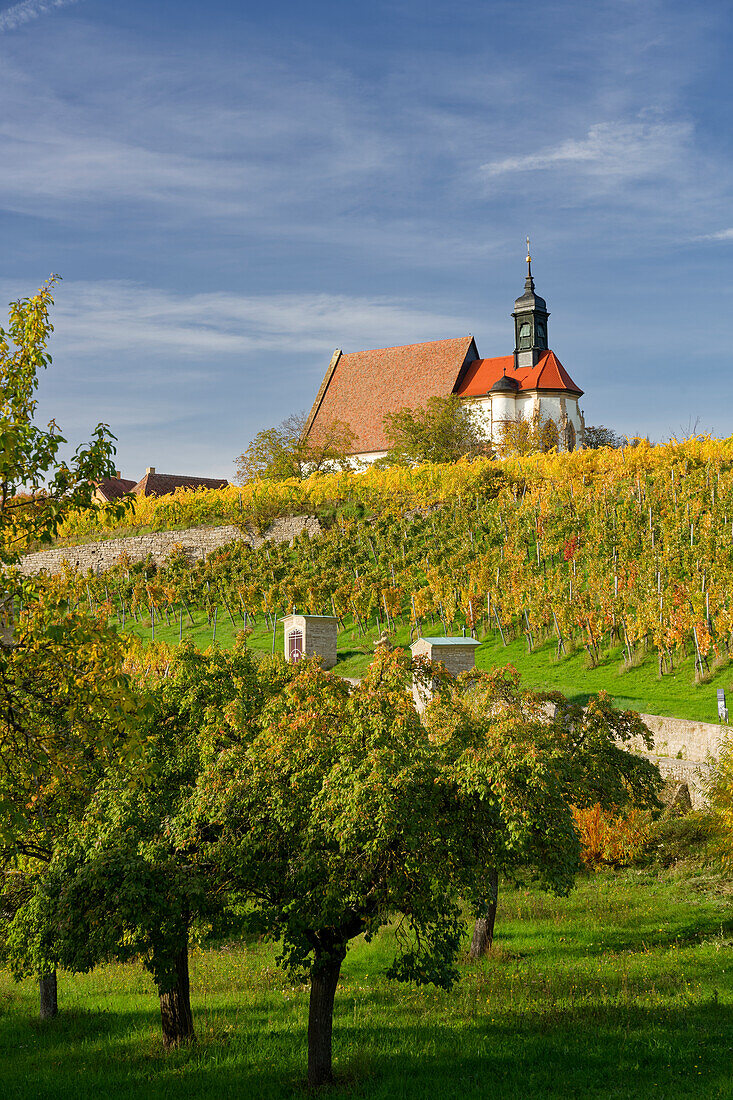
(624, 989)
(640, 688)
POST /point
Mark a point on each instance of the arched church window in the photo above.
(541, 329)
(570, 437)
(525, 335)
(549, 435)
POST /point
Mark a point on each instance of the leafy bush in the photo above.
(674, 839)
(611, 839)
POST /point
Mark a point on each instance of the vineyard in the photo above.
(595, 560)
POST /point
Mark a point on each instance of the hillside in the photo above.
(598, 569)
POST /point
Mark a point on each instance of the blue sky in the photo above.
(232, 190)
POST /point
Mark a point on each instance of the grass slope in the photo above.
(624, 989)
(675, 694)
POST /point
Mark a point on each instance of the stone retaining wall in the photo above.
(695, 773)
(195, 542)
(685, 739)
(684, 750)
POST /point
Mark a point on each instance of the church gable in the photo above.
(360, 387)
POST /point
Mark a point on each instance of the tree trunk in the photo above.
(175, 1006)
(324, 980)
(483, 932)
(48, 998)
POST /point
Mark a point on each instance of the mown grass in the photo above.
(624, 989)
(675, 694)
(641, 688)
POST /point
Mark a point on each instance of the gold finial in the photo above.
(529, 285)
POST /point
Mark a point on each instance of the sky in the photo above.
(230, 191)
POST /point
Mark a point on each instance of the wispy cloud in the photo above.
(619, 150)
(24, 12)
(721, 235)
(129, 319)
(273, 151)
(243, 145)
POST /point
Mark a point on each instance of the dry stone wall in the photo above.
(196, 542)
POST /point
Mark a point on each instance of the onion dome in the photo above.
(505, 385)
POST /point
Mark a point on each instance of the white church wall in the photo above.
(525, 405)
(481, 410)
(491, 412)
(361, 461)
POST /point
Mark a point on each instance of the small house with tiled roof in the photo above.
(154, 484)
(112, 488)
(359, 388)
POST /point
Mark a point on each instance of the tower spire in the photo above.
(530, 322)
(529, 281)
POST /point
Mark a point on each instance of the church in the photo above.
(530, 384)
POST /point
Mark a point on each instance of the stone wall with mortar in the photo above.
(684, 750)
(458, 657)
(685, 739)
(195, 542)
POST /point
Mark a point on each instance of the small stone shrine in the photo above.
(457, 654)
(310, 636)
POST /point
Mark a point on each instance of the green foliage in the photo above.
(720, 790)
(444, 430)
(286, 452)
(542, 768)
(596, 436)
(694, 838)
(65, 714)
(116, 885)
(63, 699)
(37, 489)
(331, 818)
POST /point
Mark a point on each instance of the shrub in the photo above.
(609, 839)
(674, 839)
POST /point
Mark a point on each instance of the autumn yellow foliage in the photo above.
(608, 838)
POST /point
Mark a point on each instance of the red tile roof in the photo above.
(112, 488)
(157, 485)
(360, 387)
(547, 374)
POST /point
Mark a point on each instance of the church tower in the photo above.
(530, 323)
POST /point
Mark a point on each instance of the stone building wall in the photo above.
(456, 657)
(320, 633)
(195, 542)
